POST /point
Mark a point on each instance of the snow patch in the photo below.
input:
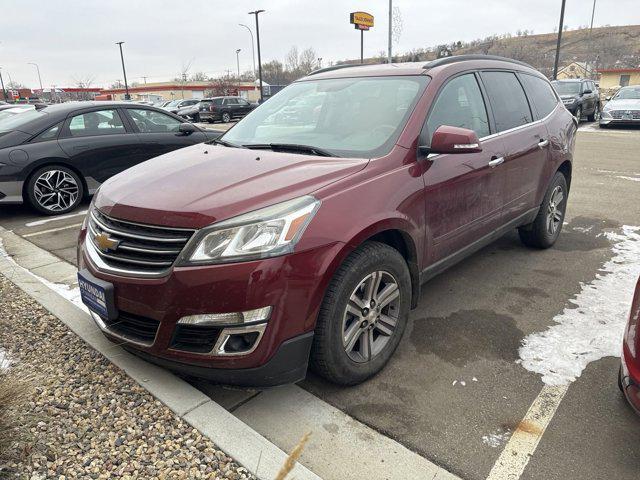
(633, 179)
(5, 361)
(494, 440)
(68, 292)
(593, 327)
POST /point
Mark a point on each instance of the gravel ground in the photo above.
(87, 418)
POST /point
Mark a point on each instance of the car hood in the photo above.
(623, 104)
(199, 185)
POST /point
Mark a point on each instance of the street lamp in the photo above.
(4, 92)
(256, 13)
(555, 64)
(38, 69)
(253, 51)
(238, 63)
(124, 72)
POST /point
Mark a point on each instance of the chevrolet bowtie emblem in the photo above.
(104, 243)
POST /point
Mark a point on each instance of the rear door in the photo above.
(99, 143)
(159, 133)
(244, 107)
(463, 192)
(524, 141)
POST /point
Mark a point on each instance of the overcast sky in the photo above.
(73, 39)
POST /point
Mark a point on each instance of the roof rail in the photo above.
(462, 58)
(338, 67)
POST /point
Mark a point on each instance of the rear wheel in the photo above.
(578, 114)
(226, 117)
(196, 117)
(545, 229)
(363, 315)
(54, 190)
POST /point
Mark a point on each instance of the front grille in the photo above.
(134, 327)
(136, 247)
(195, 338)
(619, 114)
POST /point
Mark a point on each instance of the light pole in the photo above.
(38, 69)
(555, 64)
(253, 50)
(238, 63)
(390, 29)
(124, 72)
(4, 92)
(256, 13)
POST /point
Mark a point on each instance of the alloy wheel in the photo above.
(555, 212)
(371, 316)
(56, 190)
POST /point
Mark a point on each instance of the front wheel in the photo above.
(196, 117)
(363, 315)
(226, 117)
(545, 229)
(578, 114)
(595, 115)
(54, 190)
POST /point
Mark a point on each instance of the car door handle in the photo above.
(543, 143)
(495, 161)
(81, 147)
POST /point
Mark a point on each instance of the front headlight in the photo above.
(267, 232)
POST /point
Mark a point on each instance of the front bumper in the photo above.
(630, 379)
(11, 192)
(618, 121)
(293, 285)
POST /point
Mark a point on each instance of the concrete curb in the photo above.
(234, 437)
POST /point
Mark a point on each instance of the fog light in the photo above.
(233, 318)
(239, 340)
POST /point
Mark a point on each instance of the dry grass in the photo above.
(13, 394)
(293, 457)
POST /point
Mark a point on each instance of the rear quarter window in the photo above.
(507, 98)
(540, 93)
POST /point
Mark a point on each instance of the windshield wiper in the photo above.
(226, 143)
(291, 147)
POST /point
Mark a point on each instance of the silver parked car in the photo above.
(623, 108)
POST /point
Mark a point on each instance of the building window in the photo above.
(624, 80)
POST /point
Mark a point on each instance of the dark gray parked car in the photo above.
(580, 96)
(53, 157)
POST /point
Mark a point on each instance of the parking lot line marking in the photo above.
(53, 219)
(522, 444)
(51, 230)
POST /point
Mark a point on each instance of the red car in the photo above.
(285, 242)
(629, 379)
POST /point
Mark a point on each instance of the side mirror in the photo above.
(187, 128)
(587, 92)
(448, 139)
(608, 98)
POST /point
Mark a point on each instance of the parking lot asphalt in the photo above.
(455, 391)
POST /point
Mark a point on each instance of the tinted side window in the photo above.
(150, 121)
(218, 101)
(540, 93)
(460, 104)
(49, 134)
(510, 106)
(102, 122)
(231, 101)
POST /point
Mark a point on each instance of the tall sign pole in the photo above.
(389, 55)
(555, 64)
(256, 13)
(4, 92)
(126, 85)
(361, 21)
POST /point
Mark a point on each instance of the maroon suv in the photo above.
(303, 238)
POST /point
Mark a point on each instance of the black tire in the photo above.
(620, 379)
(226, 117)
(329, 357)
(595, 115)
(196, 118)
(578, 114)
(66, 201)
(539, 233)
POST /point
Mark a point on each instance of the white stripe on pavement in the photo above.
(53, 219)
(51, 230)
(522, 444)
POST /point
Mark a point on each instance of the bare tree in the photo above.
(292, 60)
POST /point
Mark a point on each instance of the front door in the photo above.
(159, 133)
(463, 192)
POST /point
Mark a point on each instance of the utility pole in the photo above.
(389, 56)
(256, 13)
(4, 92)
(124, 72)
(253, 50)
(593, 12)
(184, 79)
(238, 63)
(145, 80)
(38, 69)
(560, 28)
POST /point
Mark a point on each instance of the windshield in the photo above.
(567, 88)
(628, 93)
(352, 117)
(14, 122)
(173, 103)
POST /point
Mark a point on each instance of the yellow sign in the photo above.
(361, 20)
